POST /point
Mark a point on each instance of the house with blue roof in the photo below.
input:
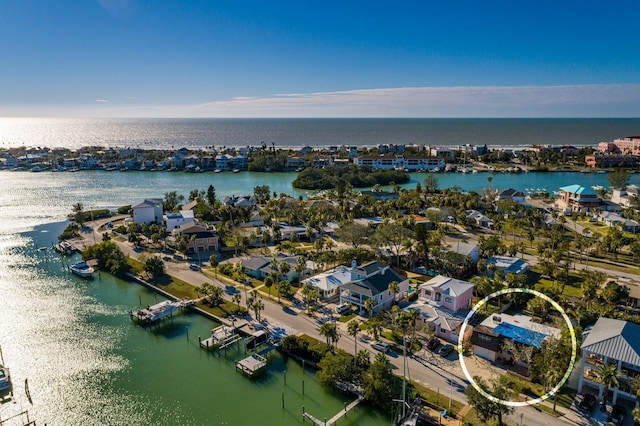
(493, 338)
(577, 199)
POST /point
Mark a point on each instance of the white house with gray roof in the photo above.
(329, 282)
(611, 341)
(148, 211)
(371, 281)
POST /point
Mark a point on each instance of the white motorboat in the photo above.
(81, 269)
(5, 383)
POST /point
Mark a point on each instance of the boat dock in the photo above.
(221, 337)
(158, 311)
(335, 418)
(251, 365)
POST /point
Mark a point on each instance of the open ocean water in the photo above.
(297, 132)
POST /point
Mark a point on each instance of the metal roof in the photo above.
(615, 339)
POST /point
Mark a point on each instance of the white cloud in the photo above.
(610, 100)
(102, 101)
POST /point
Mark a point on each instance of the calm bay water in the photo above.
(197, 133)
(88, 364)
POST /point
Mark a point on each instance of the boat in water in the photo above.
(82, 269)
(63, 248)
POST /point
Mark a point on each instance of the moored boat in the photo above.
(63, 248)
(81, 269)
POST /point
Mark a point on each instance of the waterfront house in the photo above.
(329, 282)
(492, 339)
(511, 194)
(577, 198)
(371, 281)
(506, 265)
(627, 197)
(400, 162)
(173, 220)
(148, 211)
(199, 236)
(442, 322)
(611, 341)
(611, 160)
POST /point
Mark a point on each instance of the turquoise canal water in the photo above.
(87, 363)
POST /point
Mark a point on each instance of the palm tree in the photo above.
(352, 329)
(412, 317)
(236, 298)
(609, 375)
(78, 210)
(330, 332)
(257, 307)
(213, 261)
(268, 283)
(368, 306)
(284, 269)
(394, 287)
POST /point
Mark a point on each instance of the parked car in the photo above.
(445, 350)
(380, 346)
(433, 344)
(194, 267)
(343, 308)
(588, 402)
(617, 414)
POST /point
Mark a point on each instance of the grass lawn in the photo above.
(223, 310)
(347, 318)
(178, 288)
(441, 400)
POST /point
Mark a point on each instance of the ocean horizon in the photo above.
(195, 133)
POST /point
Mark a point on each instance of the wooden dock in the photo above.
(335, 418)
(251, 365)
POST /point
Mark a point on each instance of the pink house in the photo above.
(442, 305)
(448, 293)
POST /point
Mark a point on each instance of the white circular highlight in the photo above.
(574, 347)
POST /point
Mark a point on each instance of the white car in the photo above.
(380, 346)
(343, 308)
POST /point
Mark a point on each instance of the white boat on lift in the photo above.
(82, 269)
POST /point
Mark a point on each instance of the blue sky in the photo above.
(210, 58)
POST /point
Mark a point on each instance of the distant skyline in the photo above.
(146, 58)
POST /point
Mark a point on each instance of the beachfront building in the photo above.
(148, 211)
(611, 341)
(577, 198)
(493, 338)
(400, 162)
(329, 282)
(371, 281)
(629, 145)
